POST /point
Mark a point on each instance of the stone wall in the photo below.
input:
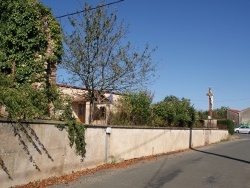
(49, 153)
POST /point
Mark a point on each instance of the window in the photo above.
(99, 113)
(80, 110)
(102, 112)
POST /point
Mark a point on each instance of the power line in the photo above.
(205, 100)
(230, 100)
(100, 6)
(226, 100)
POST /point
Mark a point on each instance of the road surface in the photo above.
(223, 165)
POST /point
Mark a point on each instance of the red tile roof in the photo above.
(233, 110)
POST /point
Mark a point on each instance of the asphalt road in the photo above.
(225, 165)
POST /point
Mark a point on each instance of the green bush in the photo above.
(228, 123)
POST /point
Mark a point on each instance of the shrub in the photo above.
(228, 123)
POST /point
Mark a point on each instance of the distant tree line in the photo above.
(137, 109)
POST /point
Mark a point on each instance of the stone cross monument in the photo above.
(210, 96)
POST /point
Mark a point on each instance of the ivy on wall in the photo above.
(30, 46)
(24, 27)
(75, 130)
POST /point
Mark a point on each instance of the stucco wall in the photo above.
(135, 143)
(234, 116)
(51, 154)
(245, 116)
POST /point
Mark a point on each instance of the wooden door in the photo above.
(81, 112)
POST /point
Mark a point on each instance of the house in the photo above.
(81, 106)
(239, 117)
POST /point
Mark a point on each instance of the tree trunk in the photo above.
(91, 110)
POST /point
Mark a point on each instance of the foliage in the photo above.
(202, 114)
(99, 59)
(30, 45)
(75, 130)
(136, 109)
(175, 112)
(24, 39)
(218, 113)
(133, 109)
(76, 133)
(23, 102)
(159, 114)
(228, 123)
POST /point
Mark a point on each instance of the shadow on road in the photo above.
(215, 154)
(219, 155)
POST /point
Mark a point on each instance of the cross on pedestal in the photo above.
(210, 96)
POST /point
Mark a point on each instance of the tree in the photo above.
(173, 111)
(202, 114)
(218, 113)
(159, 114)
(99, 59)
(30, 48)
(133, 109)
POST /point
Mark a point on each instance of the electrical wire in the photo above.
(70, 14)
(228, 100)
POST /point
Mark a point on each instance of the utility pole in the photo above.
(210, 97)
